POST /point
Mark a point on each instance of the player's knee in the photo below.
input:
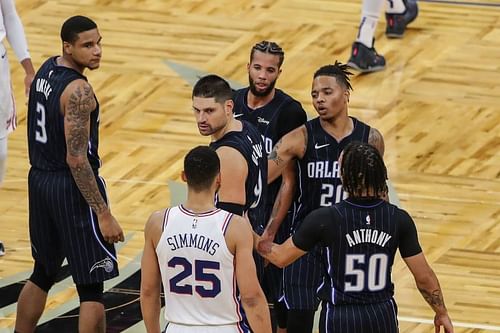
(41, 278)
(90, 292)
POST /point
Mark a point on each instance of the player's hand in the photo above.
(264, 247)
(110, 229)
(445, 321)
(267, 235)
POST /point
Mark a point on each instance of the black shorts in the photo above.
(359, 318)
(301, 280)
(62, 224)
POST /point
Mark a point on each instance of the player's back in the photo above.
(197, 268)
(360, 257)
(248, 142)
(46, 138)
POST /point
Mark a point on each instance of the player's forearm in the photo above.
(150, 307)
(85, 180)
(281, 205)
(257, 312)
(28, 66)
(431, 291)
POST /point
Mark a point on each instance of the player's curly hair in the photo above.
(339, 71)
(363, 171)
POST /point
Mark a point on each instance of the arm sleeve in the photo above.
(292, 117)
(14, 29)
(231, 207)
(408, 237)
(317, 228)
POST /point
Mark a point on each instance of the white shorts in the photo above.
(176, 328)
(8, 119)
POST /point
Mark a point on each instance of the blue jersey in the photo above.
(249, 143)
(319, 171)
(273, 120)
(46, 139)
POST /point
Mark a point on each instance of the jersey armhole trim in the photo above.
(165, 219)
(228, 219)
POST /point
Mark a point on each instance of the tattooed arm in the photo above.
(376, 140)
(77, 103)
(428, 285)
(291, 146)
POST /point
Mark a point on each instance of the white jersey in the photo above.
(197, 269)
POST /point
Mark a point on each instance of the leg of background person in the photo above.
(3, 165)
(30, 307)
(364, 58)
(92, 318)
(370, 15)
(395, 6)
(3, 158)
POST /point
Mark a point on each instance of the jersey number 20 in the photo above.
(199, 274)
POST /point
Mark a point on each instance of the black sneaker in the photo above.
(396, 23)
(2, 249)
(365, 59)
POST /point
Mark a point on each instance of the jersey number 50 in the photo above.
(199, 274)
(375, 269)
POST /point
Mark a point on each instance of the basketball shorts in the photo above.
(62, 224)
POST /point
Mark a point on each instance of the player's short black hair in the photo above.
(269, 47)
(339, 71)
(73, 26)
(201, 166)
(213, 86)
(363, 170)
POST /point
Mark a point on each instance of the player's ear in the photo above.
(228, 106)
(183, 176)
(67, 48)
(347, 95)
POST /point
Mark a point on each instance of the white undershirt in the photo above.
(12, 28)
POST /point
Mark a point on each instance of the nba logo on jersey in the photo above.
(368, 220)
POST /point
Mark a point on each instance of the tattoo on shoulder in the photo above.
(376, 140)
(79, 106)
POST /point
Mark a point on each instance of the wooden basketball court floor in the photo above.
(437, 105)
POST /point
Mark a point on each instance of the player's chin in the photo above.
(94, 65)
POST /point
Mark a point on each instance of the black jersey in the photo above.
(249, 143)
(360, 239)
(273, 120)
(319, 171)
(46, 139)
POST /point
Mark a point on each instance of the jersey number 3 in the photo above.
(199, 274)
(40, 133)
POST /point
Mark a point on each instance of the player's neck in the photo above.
(199, 202)
(338, 127)
(68, 62)
(255, 102)
(232, 125)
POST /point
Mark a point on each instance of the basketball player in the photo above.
(12, 28)
(203, 256)
(316, 146)
(68, 211)
(398, 14)
(239, 147)
(360, 236)
(273, 113)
